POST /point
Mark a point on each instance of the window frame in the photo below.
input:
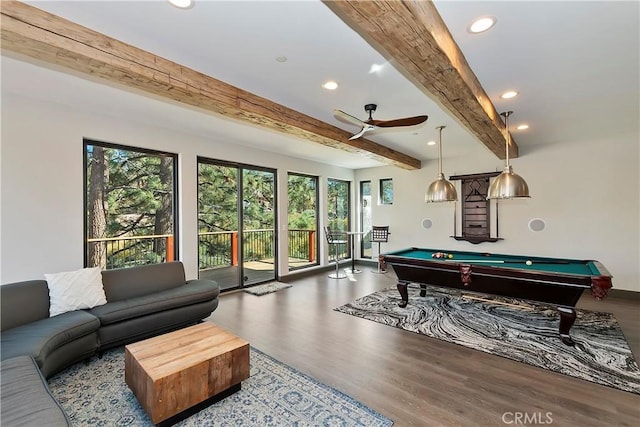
(175, 190)
(317, 207)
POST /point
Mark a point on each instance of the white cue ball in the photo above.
(528, 262)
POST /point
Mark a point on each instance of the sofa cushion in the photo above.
(41, 338)
(140, 328)
(124, 283)
(75, 290)
(26, 399)
(194, 292)
(23, 302)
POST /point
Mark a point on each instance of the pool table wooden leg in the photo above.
(567, 318)
(404, 295)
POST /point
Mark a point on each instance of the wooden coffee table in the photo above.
(177, 374)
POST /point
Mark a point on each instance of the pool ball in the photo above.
(450, 256)
(528, 262)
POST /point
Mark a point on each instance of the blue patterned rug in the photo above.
(519, 330)
(274, 395)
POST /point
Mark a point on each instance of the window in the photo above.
(302, 218)
(130, 209)
(386, 191)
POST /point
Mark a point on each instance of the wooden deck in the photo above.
(255, 271)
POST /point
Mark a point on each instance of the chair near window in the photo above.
(379, 234)
(335, 239)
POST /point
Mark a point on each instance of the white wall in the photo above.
(42, 192)
(587, 192)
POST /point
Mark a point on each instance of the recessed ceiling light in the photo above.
(431, 143)
(509, 94)
(375, 68)
(182, 4)
(330, 85)
(281, 59)
(522, 127)
(482, 24)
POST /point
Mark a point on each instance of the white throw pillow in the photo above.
(75, 290)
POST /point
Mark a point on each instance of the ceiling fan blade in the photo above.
(347, 118)
(408, 121)
(366, 128)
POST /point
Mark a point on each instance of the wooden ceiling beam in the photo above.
(45, 37)
(414, 38)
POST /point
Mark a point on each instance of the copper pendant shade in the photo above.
(441, 190)
(508, 185)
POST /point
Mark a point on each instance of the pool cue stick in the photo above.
(495, 302)
(455, 219)
(476, 261)
(497, 221)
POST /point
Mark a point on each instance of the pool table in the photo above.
(551, 280)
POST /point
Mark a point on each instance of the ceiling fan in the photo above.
(372, 124)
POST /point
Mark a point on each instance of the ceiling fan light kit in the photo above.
(508, 185)
(441, 190)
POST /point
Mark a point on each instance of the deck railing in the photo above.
(302, 244)
(219, 248)
(129, 251)
(216, 249)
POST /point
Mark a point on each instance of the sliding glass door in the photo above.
(365, 218)
(236, 223)
(258, 213)
(338, 209)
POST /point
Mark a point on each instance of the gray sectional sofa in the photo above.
(141, 302)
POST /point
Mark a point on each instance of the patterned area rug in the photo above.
(274, 395)
(515, 329)
(267, 288)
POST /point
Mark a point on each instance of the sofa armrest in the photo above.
(23, 302)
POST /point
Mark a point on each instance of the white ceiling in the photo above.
(575, 64)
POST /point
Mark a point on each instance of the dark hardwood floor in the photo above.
(416, 380)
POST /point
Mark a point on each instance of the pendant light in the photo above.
(441, 190)
(508, 185)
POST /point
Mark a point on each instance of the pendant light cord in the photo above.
(508, 138)
(440, 149)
